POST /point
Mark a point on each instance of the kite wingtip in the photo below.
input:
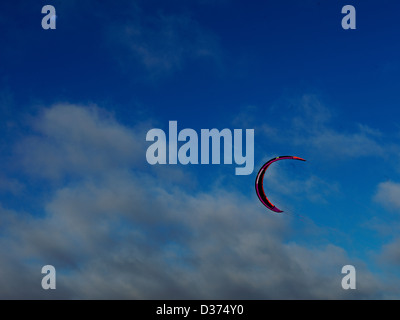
(275, 209)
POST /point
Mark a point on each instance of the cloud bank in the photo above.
(113, 229)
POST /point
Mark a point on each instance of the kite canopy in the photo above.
(259, 182)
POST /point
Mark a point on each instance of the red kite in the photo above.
(259, 182)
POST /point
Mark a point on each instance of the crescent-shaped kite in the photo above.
(259, 182)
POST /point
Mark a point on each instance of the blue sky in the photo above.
(76, 191)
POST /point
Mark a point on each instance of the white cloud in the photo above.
(109, 241)
(76, 139)
(388, 195)
(390, 253)
(162, 43)
(10, 185)
(127, 234)
(310, 124)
